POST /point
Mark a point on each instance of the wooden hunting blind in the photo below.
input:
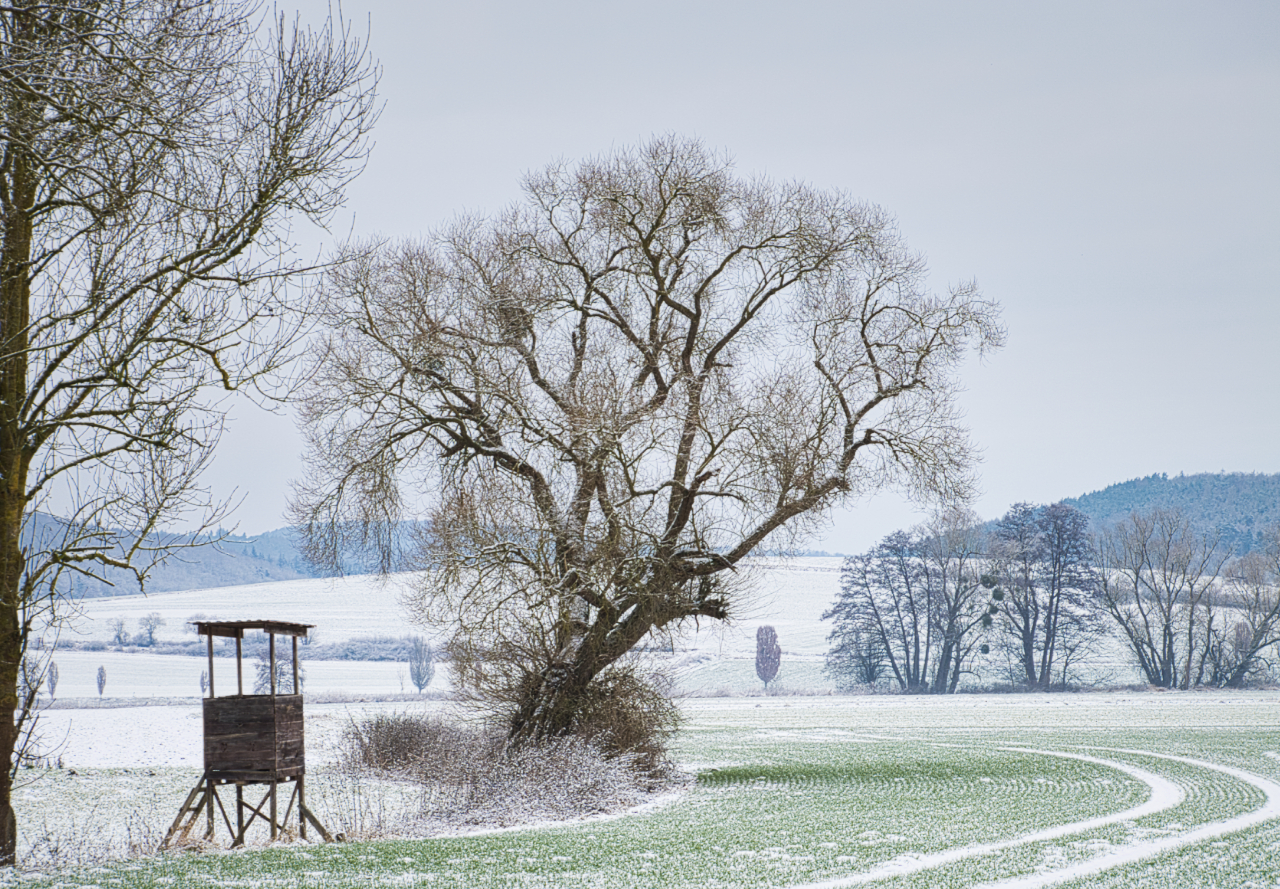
(254, 739)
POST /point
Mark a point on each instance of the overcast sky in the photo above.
(1109, 172)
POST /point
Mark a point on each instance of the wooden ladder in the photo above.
(200, 799)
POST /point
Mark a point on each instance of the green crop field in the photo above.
(1114, 790)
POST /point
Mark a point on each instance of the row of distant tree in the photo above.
(920, 608)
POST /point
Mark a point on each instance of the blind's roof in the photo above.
(236, 628)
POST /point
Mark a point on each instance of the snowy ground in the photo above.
(709, 659)
(1101, 789)
(789, 595)
(1116, 790)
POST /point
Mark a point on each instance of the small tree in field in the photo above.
(51, 678)
(262, 674)
(147, 627)
(102, 680)
(768, 655)
(422, 666)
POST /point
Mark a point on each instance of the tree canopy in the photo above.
(604, 398)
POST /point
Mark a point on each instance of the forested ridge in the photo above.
(1240, 504)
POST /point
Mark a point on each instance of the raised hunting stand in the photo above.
(250, 739)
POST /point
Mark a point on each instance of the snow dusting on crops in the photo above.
(1106, 789)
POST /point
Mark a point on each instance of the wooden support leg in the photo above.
(240, 825)
(306, 813)
(302, 803)
(226, 819)
(204, 797)
(288, 808)
(208, 792)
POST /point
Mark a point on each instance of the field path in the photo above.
(1165, 794)
(1151, 848)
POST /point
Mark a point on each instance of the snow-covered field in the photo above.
(1106, 789)
(791, 596)
(711, 658)
(341, 608)
(1115, 789)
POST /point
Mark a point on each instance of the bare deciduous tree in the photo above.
(856, 656)
(953, 550)
(1157, 578)
(615, 392)
(916, 603)
(1249, 622)
(1043, 559)
(153, 153)
(147, 626)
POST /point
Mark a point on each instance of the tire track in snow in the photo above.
(1131, 854)
(1165, 794)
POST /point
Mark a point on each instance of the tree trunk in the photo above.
(15, 293)
(13, 633)
(1029, 653)
(11, 646)
(550, 707)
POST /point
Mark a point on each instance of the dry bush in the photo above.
(89, 841)
(471, 776)
(629, 716)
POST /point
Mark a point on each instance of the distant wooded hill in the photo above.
(232, 561)
(1241, 504)
(225, 560)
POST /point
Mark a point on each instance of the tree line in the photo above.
(927, 606)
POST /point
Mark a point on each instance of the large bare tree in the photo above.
(154, 154)
(616, 390)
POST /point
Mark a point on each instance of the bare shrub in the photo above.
(406, 745)
(472, 776)
(626, 710)
(88, 841)
(630, 716)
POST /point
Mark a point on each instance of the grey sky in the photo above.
(1109, 172)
